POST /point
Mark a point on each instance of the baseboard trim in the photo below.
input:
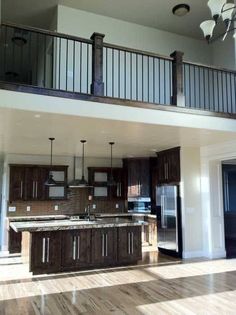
(194, 254)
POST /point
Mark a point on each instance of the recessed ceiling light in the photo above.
(37, 115)
(181, 9)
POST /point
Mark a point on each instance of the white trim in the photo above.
(194, 254)
(217, 254)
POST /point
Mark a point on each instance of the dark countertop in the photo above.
(58, 225)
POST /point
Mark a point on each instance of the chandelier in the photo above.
(222, 13)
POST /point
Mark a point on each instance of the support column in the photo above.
(97, 86)
(178, 97)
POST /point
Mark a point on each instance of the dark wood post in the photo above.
(97, 86)
(178, 97)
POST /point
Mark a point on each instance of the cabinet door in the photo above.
(14, 242)
(129, 244)
(17, 183)
(162, 167)
(133, 178)
(76, 248)
(173, 160)
(45, 252)
(118, 191)
(35, 178)
(144, 170)
(104, 248)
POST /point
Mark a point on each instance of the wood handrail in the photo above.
(49, 33)
(137, 51)
(210, 67)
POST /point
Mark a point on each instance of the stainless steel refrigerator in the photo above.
(169, 231)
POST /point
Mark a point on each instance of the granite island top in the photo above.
(58, 225)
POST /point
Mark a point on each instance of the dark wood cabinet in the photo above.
(14, 241)
(138, 177)
(27, 183)
(17, 183)
(45, 252)
(86, 248)
(99, 177)
(76, 248)
(104, 246)
(169, 166)
(129, 244)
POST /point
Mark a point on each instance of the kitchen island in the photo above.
(70, 245)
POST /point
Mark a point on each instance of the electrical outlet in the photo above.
(12, 209)
(28, 208)
(117, 206)
(94, 206)
(56, 207)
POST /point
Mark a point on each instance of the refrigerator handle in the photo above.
(162, 212)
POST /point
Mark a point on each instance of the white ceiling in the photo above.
(23, 133)
(153, 13)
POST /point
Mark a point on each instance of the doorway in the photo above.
(229, 198)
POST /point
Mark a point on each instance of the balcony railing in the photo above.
(59, 62)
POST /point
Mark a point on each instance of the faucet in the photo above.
(87, 210)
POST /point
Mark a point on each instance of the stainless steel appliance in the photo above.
(139, 204)
(169, 232)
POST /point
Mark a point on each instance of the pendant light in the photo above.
(111, 181)
(82, 182)
(50, 181)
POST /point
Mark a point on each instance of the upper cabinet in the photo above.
(168, 170)
(138, 177)
(99, 177)
(27, 183)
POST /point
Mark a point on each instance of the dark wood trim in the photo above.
(97, 86)
(137, 51)
(46, 32)
(178, 97)
(109, 100)
(210, 67)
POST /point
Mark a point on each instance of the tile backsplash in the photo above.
(75, 204)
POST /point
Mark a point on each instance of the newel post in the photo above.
(97, 86)
(178, 97)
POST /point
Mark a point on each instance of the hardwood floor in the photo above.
(157, 285)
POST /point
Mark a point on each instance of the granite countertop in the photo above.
(58, 225)
(38, 218)
(129, 214)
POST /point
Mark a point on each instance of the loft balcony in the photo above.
(44, 62)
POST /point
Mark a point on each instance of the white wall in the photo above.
(191, 203)
(41, 160)
(224, 52)
(83, 24)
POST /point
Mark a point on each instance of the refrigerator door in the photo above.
(167, 217)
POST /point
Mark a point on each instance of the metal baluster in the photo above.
(148, 90)
(164, 81)
(136, 76)
(74, 66)
(154, 87)
(66, 64)
(59, 65)
(87, 68)
(119, 73)
(125, 74)
(81, 57)
(112, 62)
(159, 69)
(44, 61)
(131, 72)
(142, 80)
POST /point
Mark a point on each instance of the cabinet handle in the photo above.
(132, 243)
(103, 245)
(48, 247)
(21, 189)
(78, 247)
(43, 252)
(106, 254)
(33, 190)
(129, 243)
(36, 189)
(74, 247)
(167, 170)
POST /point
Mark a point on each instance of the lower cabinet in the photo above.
(104, 243)
(129, 244)
(86, 248)
(14, 241)
(75, 248)
(45, 252)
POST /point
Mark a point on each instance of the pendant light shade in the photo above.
(208, 28)
(82, 182)
(50, 181)
(111, 181)
(216, 8)
(228, 12)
